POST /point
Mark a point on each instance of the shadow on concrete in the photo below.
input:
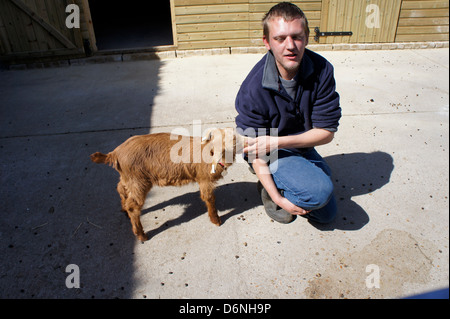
(356, 174)
(57, 207)
(239, 197)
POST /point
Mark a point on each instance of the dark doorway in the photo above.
(131, 24)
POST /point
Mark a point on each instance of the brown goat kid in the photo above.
(163, 159)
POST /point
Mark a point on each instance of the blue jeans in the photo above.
(306, 182)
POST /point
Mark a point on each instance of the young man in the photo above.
(291, 90)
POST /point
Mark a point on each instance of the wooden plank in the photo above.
(423, 21)
(212, 24)
(205, 18)
(357, 20)
(390, 28)
(347, 22)
(54, 13)
(423, 30)
(421, 37)
(52, 30)
(424, 13)
(14, 29)
(258, 34)
(409, 5)
(87, 25)
(4, 43)
(48, 53)
(351, 15)
(323, 19)
(257, 25)
(228, 8)
(31, 29)
(206, 27)
(45, 40)
(173, 21)
(331, 26)
(223, 23)
(217, 35)
(304, 6)
(213, 44)
(180, 3)
(57, 12)
(74, 34)
(310, 15)
(275, 2)
(342, 11)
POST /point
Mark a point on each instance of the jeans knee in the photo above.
(321, 194)
(325, 214)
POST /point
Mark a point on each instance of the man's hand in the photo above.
(262, 172)
(291, 208)
(261, 146)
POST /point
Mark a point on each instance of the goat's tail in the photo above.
(110, 159)
(99, 158)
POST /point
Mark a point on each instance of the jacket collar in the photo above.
(270, 79)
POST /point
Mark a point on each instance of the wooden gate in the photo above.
(36, 29)
(370, 21)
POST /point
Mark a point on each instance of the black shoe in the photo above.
(273, 210)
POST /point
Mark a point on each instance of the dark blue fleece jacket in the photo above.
(263, 103)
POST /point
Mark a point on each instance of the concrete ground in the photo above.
(390, 161)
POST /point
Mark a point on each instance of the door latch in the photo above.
(327, 34)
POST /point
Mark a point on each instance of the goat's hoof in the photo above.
(142, 237)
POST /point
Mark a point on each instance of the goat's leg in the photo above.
(123, 193)
(134, 203)
(207, 195)
(134, 212)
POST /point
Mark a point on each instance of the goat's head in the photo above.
(223, 144)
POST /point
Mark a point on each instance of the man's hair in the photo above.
(286, 10)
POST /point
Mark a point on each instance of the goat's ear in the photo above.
(207, 136)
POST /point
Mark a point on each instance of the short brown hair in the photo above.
(288, 11)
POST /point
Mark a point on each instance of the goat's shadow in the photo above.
(354, 174)
(239, 197)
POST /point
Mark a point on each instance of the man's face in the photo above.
(287, 41)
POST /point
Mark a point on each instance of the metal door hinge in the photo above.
(327, 34)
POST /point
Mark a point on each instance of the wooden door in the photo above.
(370, 21)
(37, 28)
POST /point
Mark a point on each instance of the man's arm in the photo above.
(262, 172)
(262, 145)
(265, 144)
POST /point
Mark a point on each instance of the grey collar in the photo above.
(270, 79)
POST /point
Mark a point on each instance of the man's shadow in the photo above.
(356, 174)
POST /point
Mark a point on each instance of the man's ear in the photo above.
(266, 42)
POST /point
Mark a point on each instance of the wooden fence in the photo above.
(232, 23)
(36, 28)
